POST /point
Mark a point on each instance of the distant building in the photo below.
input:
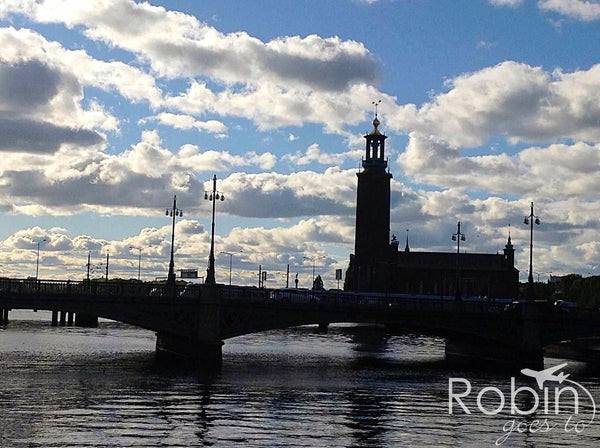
(378, 265)
(188, 273)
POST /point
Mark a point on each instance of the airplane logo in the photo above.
(547, 374)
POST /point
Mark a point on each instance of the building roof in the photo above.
(447, 260)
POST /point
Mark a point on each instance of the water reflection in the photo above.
(367, 415)
(350, 387)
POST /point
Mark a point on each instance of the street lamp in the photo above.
(173, 212)
(314, 259)
(231, 254)
(37, 263)
(458, 237)
(88, 265)
(139, 260)
(530, 220)
(213, 197)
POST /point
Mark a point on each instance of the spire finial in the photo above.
(375, 120)
(509, 242)
(376, 103)
(407, 248)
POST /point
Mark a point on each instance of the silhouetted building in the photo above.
(378, 265)
(371, 243)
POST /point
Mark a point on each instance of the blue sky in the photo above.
(109, 108)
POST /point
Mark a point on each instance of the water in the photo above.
(353, 387)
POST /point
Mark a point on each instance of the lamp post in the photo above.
(173, 212)
(107, 260)
(530, 220)
(37, 263)
(314, 260)
(458, 237)
(231, 254)
(139, 249)
(213, 197)
(88, 265)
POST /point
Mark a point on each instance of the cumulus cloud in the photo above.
(583, 10)
(194, 47)
(304, 193)
(286, 81)
(34, 136)
(27, 47)
(30, 93)
(41, 93)
(73, 180)
(62, 256)
(542, 122)
(558, 171)
(180, 121)
(513, 100)
(315, 154)
(270, 106)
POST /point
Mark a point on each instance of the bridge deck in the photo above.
(213, 313)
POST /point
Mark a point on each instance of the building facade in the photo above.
(378, 265)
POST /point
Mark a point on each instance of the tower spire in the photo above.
(375, 146)
(509, 250)
(372, 231)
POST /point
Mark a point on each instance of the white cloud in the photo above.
(73, 180)
(286, 81)
(583, 10)
(41, 93)
(557, 171)
(62, 256)
(271, 106)
(23, 45)
(486, 44)
(194, 47)
(180, 121)
(542, 122)
(36, 100)
(512, 100)
(304, 193)
(314, 154)
(512, 3)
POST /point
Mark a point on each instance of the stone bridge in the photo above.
(191, 322)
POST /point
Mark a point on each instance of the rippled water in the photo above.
(353, 387)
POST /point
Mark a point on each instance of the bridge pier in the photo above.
(174, 350)
(4, 315)
(86, 320)
(63, 318)
(54, 318)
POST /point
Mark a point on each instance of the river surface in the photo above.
(351, 387)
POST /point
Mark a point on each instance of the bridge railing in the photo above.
(292, 296)
(393, 302)
(93, 288)
(250, 293)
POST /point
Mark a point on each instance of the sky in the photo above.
(109, 108)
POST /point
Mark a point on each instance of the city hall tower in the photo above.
(372, 232)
